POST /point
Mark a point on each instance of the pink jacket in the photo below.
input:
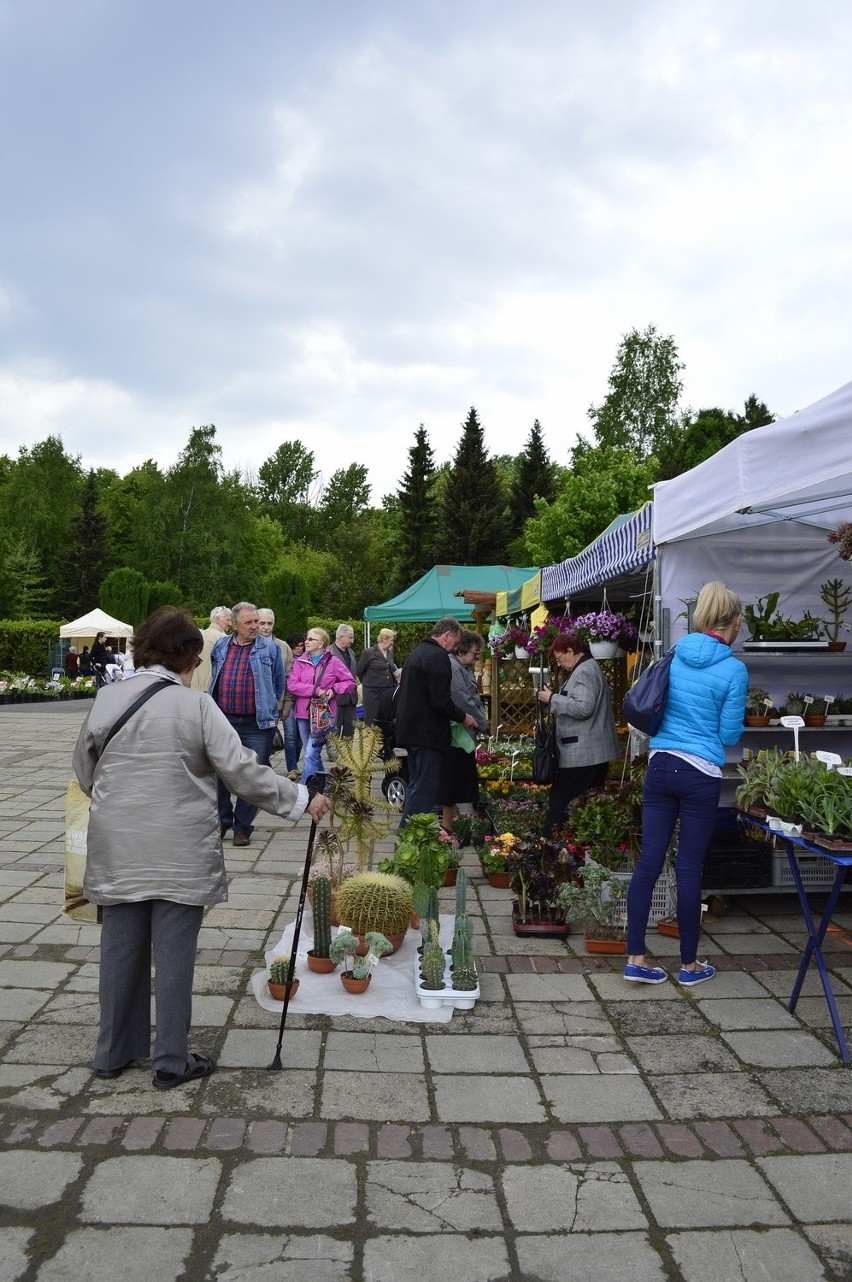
(334, 675)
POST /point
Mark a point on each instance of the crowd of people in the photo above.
(197, 766)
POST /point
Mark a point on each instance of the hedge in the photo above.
(26, 645)
(408, 635)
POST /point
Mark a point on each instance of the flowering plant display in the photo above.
(515, 635)
(605, 625)
(493, 854)
(543, 636)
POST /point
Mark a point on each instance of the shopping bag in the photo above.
(546, 752)
(77, 905)
(645, 702)
(321, 720)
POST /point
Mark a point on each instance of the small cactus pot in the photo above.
(353, 985)
(396, 942)
(277, 991)
(321, 965)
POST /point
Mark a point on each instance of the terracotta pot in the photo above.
(668, 926)
(450, 876)
(815, 719)
(277, 991)
(612, 946)
(500, 880)
(353, 985)
(320, 965)
(753, 720)
(837, 646)
(394, 940)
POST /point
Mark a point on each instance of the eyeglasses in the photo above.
(197, 663)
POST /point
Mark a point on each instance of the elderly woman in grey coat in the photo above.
(459, 786)
(154, 850)
(585, 727)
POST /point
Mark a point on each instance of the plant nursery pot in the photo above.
(500, 880)
(353, 985)
(603, 649)
(277, 991)
(450, 876)
(320, 965)
(614, 947)
(668, 926)
(837, 647)
(522, 653)
(394, 940)
(753, 720)
(541, 928)
(815, 719)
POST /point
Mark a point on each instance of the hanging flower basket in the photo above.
(603, 649)
(606, 626)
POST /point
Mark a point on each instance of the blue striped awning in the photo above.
(625, 545)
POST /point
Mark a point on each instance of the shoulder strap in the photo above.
(134, 707)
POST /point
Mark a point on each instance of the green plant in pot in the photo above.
(357, 971)
(757, 777)
(464, 967)
(375, 901)
(793, 786)
(598, 897)
(757, 705)
(279, 969)
(319, 957)
(606, 821)
(422, 853)
(765, 622)
(836, 597)
(828, 806)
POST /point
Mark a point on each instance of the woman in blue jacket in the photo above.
(704, 712)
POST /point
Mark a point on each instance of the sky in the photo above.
(334, 221)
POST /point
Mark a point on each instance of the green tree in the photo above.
(639, 412)
(39, 501)
(417, 513)
(163, 593)
(703, 434)
(603, 483)
(534, 477)
(346, 497)
(124, 595)
(85, 561)
(26, 592)
(473, 524)
(287, 594)
(287, 489)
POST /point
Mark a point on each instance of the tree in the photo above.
(417, 514)
(473, 525)
(85, 561)
(346, 497)
(604, 483)
(287, 594)
(124, 595)
(534, 477)
(39, 501)
(287, 489)
(701, 435)
(26, 593)
(164, 593)
(639, 412)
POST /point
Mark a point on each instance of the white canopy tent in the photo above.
(757, 513)
(89, 625)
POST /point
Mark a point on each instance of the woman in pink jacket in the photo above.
(316, 675)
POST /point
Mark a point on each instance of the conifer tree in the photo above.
(417, 513)
(535, 477)
(473, 526)
(86, 558)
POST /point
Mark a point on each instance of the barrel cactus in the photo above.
(433, 962)
(322, 916)
(375, 901)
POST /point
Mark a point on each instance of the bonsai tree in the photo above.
(344, 948)
(837, 597)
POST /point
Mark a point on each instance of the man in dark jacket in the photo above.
(424, 710)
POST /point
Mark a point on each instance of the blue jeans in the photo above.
(424, 780)
(241, 816)
(673, 790)
(292, 742)
(312, 760)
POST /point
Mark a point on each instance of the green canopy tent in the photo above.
(438, 593)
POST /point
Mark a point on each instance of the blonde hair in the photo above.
(716, 607)
(321, 635)
(386, 634)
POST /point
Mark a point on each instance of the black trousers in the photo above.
(571, 782)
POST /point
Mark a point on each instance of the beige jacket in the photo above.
(153, 823)
(202, 674)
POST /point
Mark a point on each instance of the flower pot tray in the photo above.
(542, 928)
(435, 998)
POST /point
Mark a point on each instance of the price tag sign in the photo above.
(808, 699)
(845, 770)
(829, 759)
(792, 722)
(372, 959)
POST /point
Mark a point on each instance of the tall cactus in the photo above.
(322, 916)
(430, 916)
(464, 966)
(433, 961)
(461, 893)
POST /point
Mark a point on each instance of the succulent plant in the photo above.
(322, 916)
(433, 961)
(461, 893)
(375, 901)
(279, 969)
(344, 944)
(464, 966)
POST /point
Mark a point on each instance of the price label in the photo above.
(808, 699)
(792, 722)
(371, 959)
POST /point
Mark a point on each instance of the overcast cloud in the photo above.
(334, 221)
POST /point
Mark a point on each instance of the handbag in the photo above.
(319, 717)
(645, 702)
(277, 741)
(545, 761)
(76, 905)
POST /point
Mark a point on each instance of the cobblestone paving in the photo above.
(570, 1126)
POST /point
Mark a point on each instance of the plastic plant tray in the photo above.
(435, 998)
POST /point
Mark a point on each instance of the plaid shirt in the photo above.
(234, 691)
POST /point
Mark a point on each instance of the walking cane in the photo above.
(316, 784)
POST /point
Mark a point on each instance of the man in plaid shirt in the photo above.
(247, 683)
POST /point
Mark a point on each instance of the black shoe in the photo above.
(241, 838)
(223, 828)
(200, 1067)
(114, 1072)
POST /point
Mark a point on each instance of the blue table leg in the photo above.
(813, 948)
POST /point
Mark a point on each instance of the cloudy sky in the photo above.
(335, 220)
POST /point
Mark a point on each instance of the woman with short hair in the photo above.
(585, 726)
(459, 786)
(154, 850)
(316, 675)
(704, 712)
(377, 672)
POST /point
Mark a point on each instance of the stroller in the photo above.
(394, 785)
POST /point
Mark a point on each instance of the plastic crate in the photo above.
(663, 899)
(817, 872)
(733, 863)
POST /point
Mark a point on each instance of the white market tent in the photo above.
(89, 625)
(756, 515)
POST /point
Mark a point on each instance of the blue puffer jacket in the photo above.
(706, 702)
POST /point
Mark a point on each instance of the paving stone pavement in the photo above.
(569, 1126)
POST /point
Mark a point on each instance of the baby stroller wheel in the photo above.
(393, 787)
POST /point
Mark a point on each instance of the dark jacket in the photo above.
(425, 708)
(347, 658)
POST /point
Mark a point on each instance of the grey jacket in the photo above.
(583, 713)
(153, 823)
(465, 695)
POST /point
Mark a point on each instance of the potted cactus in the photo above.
(757, 707)
(837, 597)
(433, 961)
(356, 975)
(319, 958)
(375, 901)
(279, 969)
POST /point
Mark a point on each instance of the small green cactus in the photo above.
(433, 961)
(464, 967)
(322, 916)
(279, 969)
(461, 893)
